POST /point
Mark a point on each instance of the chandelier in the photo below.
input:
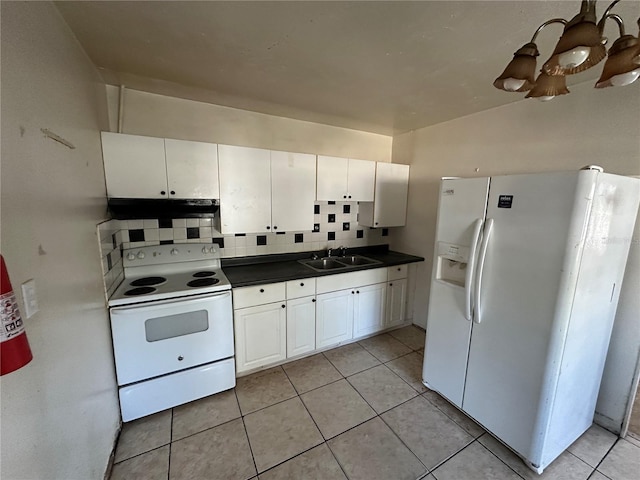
(580, 47)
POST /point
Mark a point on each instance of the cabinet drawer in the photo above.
(340, 281)
(258, 295)
(301, 288)
(396, 272)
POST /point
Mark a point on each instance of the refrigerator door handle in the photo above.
(471, 264)
(488, 228)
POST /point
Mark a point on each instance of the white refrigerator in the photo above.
(526, 278)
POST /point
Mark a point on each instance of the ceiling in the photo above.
(384, 67)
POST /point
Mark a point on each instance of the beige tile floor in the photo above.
(354, 412)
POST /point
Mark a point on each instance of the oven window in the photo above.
(162, 328)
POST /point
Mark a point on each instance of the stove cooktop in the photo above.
(166, 272)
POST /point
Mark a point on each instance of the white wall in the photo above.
(586, 127)
(160, 116)
(59, 413)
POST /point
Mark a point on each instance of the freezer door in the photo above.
(538, 226)
(461, 209)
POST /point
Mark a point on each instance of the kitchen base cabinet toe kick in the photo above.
(279, 322)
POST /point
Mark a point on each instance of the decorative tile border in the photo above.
(335, 224)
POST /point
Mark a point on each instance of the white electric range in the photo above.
(172, 327)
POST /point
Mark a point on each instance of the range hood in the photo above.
(136, 208)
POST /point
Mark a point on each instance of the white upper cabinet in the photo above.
(293, 191)
(344, 179)
(360, 185)
(263, 191)
(389, 207)
(134, 166)
(192, 169)
(245, 189)
(149, 167)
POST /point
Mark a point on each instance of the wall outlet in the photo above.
(30, 298)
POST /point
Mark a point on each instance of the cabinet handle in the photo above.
(262, 290)
(376, 223)
(268, 227)
(349, 196)
(352, 292)
(302, 284)
(358, 292)
(275, 227)
(391, 284)
(399, 268)
(344, 196)
(162, 192)
(313, 300)
(284, 306)
(173, 192)
(180, 358)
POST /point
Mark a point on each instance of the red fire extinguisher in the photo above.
(14, 346)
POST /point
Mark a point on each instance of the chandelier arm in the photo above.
(545, 24)
(607, 14)
(618, 21)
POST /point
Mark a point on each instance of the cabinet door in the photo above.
(369, 309)
(245, 189)
(392, 187)
(293, 191)
(301, 326)
(396, 300)
(192, 169)
(332, 178)
(134, 166)
(362, 174)
(334, 317)
(261, 335)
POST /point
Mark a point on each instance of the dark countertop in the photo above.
(262, 269)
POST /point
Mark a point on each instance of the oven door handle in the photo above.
(193, 300)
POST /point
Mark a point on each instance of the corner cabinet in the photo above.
(345, 179)
(148, 167)
(389, 207)
(263, 191)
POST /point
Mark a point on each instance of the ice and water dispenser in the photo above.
(452, 263)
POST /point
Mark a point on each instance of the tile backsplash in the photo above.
(335, 224)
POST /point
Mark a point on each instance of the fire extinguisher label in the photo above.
(10, 318)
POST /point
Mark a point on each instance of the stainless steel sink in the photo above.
(323, 264)
(335, 263)
(356, 260)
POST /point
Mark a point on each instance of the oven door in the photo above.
(156, 338)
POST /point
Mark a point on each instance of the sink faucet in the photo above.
(329, 252)
(342, 250)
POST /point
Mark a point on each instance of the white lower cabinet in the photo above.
(301, 326)
(369, 309)
(396, 300)
(277, 321)
(334, 317)
(261, 335)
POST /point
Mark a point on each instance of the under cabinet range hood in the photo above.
(133, 208)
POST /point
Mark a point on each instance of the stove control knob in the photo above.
(140, 255)
(212, 249)
(131, 257)
(174, 251)
(205, 250)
